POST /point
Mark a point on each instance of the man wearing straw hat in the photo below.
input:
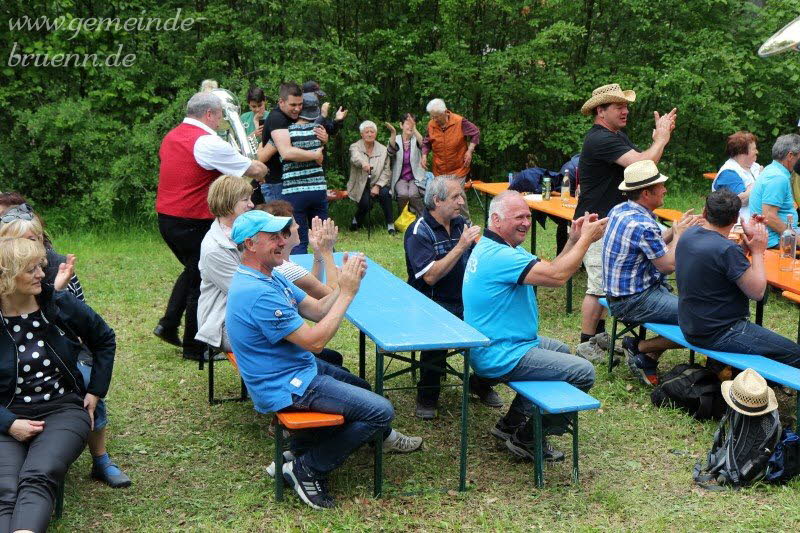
(606, 152)
(636, 259)
(717, 282)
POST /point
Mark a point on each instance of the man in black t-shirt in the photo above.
(716, 283)
(276, 129)
(605, 154)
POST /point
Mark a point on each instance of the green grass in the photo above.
(201, 468)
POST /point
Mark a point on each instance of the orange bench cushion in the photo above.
(306, 420)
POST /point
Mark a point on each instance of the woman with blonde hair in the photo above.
(47, 412)
(19, 221)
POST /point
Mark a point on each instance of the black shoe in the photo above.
(313, 491)
(168, 335)
(392, 231)
(502, 430)
(425, 410)
(353, 226)
(526, 450)
(485, 394)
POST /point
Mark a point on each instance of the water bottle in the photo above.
(510, 177)
(788, 245)
(565, 199)
(546, 188)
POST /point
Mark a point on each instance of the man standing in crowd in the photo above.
(276, 129)
(452, 139)
(716, 283)
(331, 126)
(636, 259)
(192, 156)
(500, 302)
(437, 247)
(605, 154)
(274, 345)
(772, 194)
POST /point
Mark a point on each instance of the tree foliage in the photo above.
(88, 136)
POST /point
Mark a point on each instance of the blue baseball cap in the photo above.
(248, 224)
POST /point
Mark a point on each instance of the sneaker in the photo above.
(527, 451)
(641, 366)
(502, 430)
(425, 410)
(313, 491)
(111, 475)
(603, 340)
(487, 395)
(287, 457)
(591, 351)
(396, 442)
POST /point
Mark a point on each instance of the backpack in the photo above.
(785, 462)
(740, 451)
(692, 388)
(530, 180)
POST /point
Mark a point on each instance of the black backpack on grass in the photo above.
(692, 388)
(740, 452)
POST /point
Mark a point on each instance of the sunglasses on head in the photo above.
(18, 212)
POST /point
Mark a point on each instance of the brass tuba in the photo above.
(231, 127)
(788, 38)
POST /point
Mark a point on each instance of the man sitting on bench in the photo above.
(273, 347)
(500, 302)
(716, 282)
(636, 259)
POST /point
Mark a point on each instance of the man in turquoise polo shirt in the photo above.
(500, 302)
(274, 345)
(772, 193)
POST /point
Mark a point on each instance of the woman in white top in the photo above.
(740, 171)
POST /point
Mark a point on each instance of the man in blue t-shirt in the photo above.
(274, 345)
(772, 193)
(716, 283)
(437, 247)
(500, 302)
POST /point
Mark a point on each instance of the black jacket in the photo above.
(69, 322)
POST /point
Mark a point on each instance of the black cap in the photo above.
(313, 87)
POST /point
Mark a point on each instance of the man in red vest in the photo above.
(192, 156)
(452, 139)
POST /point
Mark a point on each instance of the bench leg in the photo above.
(59, 511)
(575, 472)
(378, 490)
(691, 357)
(569, 296)
(278, 460)
(538, 462)
(613, 343)
(462, 472)
(798, 325)
(797, 411)
(362, 354)
(211, 379)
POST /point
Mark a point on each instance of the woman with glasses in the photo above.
(17, 220)
(47, 411)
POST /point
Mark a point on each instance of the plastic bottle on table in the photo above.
(546, 188)
(788, 246)
(565, 198)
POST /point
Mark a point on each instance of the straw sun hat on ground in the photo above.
(608, 94)
(641, 174)
(749, 394)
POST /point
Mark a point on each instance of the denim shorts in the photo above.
(654, 304)
(100, 415)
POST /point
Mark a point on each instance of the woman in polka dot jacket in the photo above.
(46, 412)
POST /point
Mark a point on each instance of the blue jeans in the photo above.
(654, 304)
(746, 337)
(550, 361)
(272, 191)
(100, 414)
(306, 205)
(334, 390)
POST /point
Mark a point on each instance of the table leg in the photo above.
(569, 296)
(760, 312)
(362, 348)
(533, 237)
(379, 437)
(462, 478)
(575, 472)
(485, 209)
